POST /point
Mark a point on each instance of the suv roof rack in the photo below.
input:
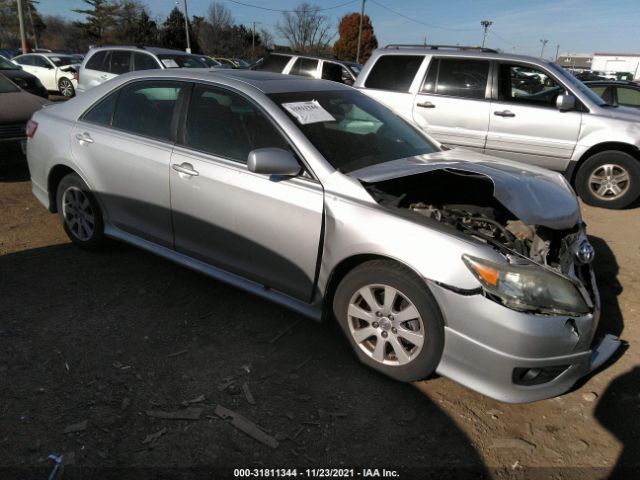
(398, 46)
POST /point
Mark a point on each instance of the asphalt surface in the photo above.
(99, 345)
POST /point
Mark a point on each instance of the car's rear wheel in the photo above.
(390, 319)
(66, 88)
(79, 212)
(609, 179)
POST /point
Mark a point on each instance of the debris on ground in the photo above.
(226, 383)
(590, 396)
(298, 432)
(190, 413)
(517, 443)
(177, 354)
(247, 394)
(233, 389)
(300, 365)
(246, 426)
(198, 399)
(285, 331)
(151, 438)
(76, 427)
(58, 462)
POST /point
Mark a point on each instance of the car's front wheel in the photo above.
(66, 88)
(609, 179)
(80, 213)
(390, 319)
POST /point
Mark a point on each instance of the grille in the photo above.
(12, 130)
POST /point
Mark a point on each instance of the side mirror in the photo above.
(273, 161)
(565, 102)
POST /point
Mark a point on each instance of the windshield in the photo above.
(7, 65)
(7, 86)
(578, 84)
(181, 61)
(62, 61)
(351, 130)
(209, 62)
(355, 68)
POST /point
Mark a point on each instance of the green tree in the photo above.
(100, 18)
(346, 47)
(134, 25)
(172, 33)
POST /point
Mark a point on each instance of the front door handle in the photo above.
(185, 168)
(505, 113)
(84, 138)
(425, 105)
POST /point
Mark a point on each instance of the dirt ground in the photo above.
(100, 343)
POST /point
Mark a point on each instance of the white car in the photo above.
(57, 72)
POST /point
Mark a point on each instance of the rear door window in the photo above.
(457, 77)
(304, 67)
(629, 97)
(96, 62)
(102, 112)
(120, 62)
(146, 108)
(394, 72)
(528, 86)
(274, 63)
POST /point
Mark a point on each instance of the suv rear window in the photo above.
(304, 67)
(457, 77)
(394, 72)
(274, 63)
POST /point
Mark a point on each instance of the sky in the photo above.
(576, 26)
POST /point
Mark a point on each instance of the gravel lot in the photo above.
(101, 342)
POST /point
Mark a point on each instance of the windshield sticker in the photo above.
(308, 112)
(170, 63)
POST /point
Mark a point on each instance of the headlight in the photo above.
(528, 288)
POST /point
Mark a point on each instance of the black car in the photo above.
(23, 79)
(617, 92)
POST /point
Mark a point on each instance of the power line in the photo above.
(291, 11)
(420, 22)
(500, 37)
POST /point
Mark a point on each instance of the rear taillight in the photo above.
(31, 128)
(76, 76)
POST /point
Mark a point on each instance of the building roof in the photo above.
(618, 54)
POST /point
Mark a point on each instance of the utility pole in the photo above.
(485, 24)
(360, 30)
(557, 51)
(186, 26)
(253, 40)
(33, 29)
(23, 38)
(544, 42)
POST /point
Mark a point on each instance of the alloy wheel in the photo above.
(385, 324)
(78, 214)
(66, 88)
(609, 181)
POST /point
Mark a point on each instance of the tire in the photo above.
(609, 179)
(66, 88)
(79, 213)
(395, 328)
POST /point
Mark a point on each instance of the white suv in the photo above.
(516, 107)
(102, 64)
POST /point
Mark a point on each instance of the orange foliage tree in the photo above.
(346, 46)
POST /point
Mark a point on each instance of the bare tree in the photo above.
(266, 37)
(219, 16)
(306, 29)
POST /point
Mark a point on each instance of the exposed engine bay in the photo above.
(464, 201)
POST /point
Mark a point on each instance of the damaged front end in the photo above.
(534, 225)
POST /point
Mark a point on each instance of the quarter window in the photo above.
(526, 85)
(96, 62)
(304, 67)
(120, 62)
(102, 112)
(394, 72)
(146, 108)
(227, 125)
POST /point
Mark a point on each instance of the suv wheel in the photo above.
(609, 179)
(66, 88)
(391, 320)
(79, 212)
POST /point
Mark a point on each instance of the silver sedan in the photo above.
(317, 197)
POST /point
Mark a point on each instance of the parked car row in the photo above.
(310, 66)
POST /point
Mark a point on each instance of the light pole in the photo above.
(544, 42)
(253, 40)
(186, 26)
(23, 38)
(360, 31)
(485, 24)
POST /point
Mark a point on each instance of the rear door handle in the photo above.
(84, 137)
(505, 113)
(185, 168)
(425, 105)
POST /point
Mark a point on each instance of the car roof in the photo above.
(626, 83)
(315, 57)
(266, 82)
(154, 50)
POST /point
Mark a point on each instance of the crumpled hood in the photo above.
(534, 195)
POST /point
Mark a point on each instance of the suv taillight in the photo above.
(31, 128)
